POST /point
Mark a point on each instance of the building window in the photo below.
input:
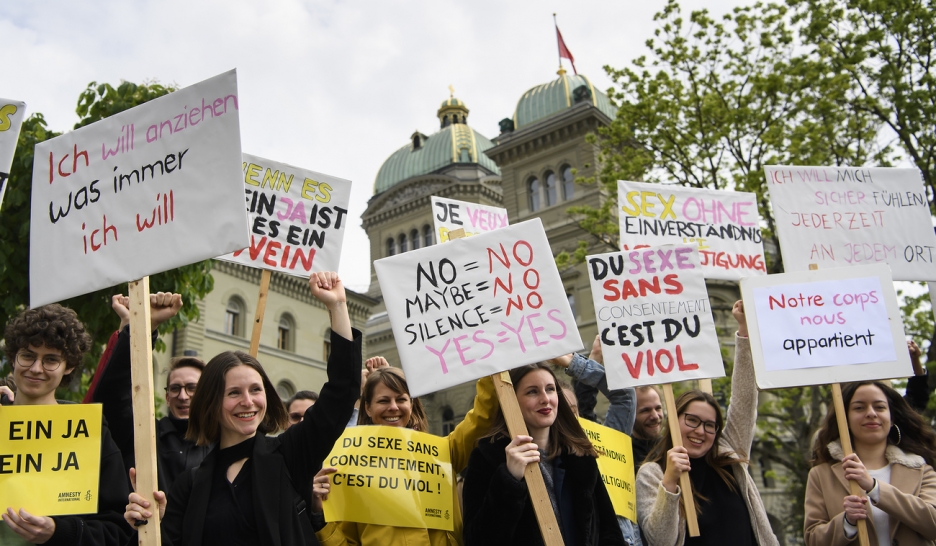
(285, 389)
(571, 298)
(448, 421)
(326, 352)
(234, 317)
(414, 236)
(402, 243)
(427, 235)
(391, 247)
(568, 182)
(285, 333)
(551, 189)
(533, 188)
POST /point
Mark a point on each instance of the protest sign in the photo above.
(476, 306)
(110, 204)
(50, 459)
(825, 326)
(450, 214)
(297, 218)
(845, 216)
(12, 113)
(654, 316)
(616, 465)
(725, 225)
(391, 476)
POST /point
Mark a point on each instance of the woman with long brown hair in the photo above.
(894, 450)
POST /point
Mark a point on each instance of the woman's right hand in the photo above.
(521, 452)
(321, 486)
(677, 462)
(138, 507)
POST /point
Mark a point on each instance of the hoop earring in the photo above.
(899, 437)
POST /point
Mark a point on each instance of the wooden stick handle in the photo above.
(685, 484)
(548, 525)
(705, 385)
(261, 309)
(842, 418)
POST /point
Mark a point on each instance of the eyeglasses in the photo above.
(176, 389)
(295, 417)
(693, 422)
(50, 362)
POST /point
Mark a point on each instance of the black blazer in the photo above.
(282, 466)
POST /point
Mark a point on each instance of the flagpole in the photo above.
(558, 48)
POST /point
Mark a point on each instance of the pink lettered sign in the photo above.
(451, 214)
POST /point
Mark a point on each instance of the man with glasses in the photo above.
(174, 454)
(46, 346)
(297, 405)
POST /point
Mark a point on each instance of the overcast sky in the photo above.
(334, 87)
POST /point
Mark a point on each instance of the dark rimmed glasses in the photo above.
(693, 422)
(175, 389)
(50, 362)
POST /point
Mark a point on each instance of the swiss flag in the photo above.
(564, 52)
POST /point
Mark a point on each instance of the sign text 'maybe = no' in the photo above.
(50, 458)
(156, 187)
(846, 216)
(297, 218)
(477, 306)
(450, 214)
(826, 326)
(725, 225)
(12, 113)
(654, 316)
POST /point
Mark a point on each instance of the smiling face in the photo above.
(180, 377)
(539, 400)
(869, 417)
(697, 441)
(243, 407)
(388, 407)
(35, 384)
(649, 420)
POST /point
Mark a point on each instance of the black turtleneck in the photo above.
(230, 512)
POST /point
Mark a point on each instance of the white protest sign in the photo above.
(451, 214)
(476, 306)
(654, 316)
(297, 218)
(725, 225)
(845, 216)
(825, 326)
(12, 113)
(153, 188)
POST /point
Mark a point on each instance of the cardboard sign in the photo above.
(476, 306)
(450, 214)
(654, 316)
(391, 476)
(149, 189)
(616, 465)
(826, 326)
(725, 225)
(297, 218)
(12, 114)
(845, 216)
(50, 458)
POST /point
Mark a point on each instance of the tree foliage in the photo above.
(192, 281)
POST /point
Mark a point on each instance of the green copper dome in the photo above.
(551, 98)
(455, 143)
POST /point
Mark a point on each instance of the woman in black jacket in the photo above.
(497, 505)
(252, 488)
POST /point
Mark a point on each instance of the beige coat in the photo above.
(909, 499)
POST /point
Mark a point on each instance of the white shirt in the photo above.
(880, 517)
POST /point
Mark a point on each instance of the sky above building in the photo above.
(334, 87)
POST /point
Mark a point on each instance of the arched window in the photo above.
(551, 189)
(391, 247)
(403, 243)
(234, 317)
(427, 235)
(571, 299)
(533, 188)
(568, 182)
(285, 333)
(414, 237)
(285, 389)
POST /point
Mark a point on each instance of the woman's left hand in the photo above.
(35, 529)
(855, 470)
(321, 486)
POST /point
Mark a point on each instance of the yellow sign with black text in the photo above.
(616, 464)
(391, 476)
(50, 458)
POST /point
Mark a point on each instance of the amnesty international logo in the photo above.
(88, 495)
(447, 514)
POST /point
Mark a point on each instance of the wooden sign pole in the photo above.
(261, 309)
(705, 385)
(685, 484)
(144, 416)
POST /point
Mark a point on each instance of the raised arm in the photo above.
(741, 419)
(623, 409)
(476, 424)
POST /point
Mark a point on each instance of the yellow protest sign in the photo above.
(616, 464)
(391, 476)
(50, 458)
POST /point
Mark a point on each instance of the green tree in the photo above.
(192, 281)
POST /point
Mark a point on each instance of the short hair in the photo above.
(644, 388)
(54, 327)
(184, 362)
(204, 426)
(394, 380)
(302, 395)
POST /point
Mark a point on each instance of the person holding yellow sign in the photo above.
(46, 346)
(386, 401)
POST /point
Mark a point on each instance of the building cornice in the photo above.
(415, 194)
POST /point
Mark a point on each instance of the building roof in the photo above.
(550, 98)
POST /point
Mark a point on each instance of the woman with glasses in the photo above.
(715, 454)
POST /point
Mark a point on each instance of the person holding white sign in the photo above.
(715, 453)
(892, 463)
